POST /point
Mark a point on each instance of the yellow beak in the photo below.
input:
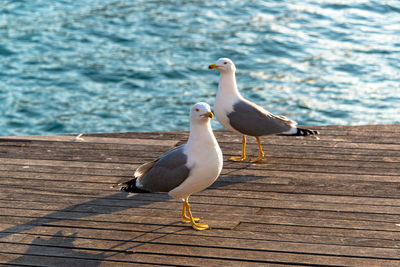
(212, 66)
(208, 115)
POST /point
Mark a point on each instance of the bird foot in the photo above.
(258, 159)
(199, 226)
(237, 158)
(186, 219)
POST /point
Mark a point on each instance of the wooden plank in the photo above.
(296, 218)
(24, 259)
(309, 203)
(339, 188)
(332, 201)
(319, 167)
(90, 257)
(48, 169)
(171, 219)
(301, 186)
(311, 143)
(71, 164)
(249, 174)
(194, 254)
(229, 174)
(220, 236)
(242, 231)
(258, 203)
(272, 141)
(88, 139)
(255, 203)
(113, 149)
(217, 243)
(137, 156)
(165, 217)
(22, 145)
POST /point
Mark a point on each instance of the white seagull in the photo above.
(186, 169)
(244, 117)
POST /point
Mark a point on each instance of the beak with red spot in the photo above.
(212, 66)
(208, 115)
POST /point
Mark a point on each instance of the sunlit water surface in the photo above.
(115, 66)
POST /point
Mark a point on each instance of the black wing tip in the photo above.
(130, 187)
(304, 132)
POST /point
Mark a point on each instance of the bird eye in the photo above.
(225, 63)
(197, 110)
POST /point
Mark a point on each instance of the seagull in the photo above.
(186, 169)
(244, 117)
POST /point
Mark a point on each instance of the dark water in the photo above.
(113, 66)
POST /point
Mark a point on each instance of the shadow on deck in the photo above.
(333, 201)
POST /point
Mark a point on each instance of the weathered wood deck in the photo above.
(333, 201)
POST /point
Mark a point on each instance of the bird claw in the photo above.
(187, 219)
(237, 158)
(196, 226)
(199, 226)
(258, 159)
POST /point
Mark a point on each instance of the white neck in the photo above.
(227, 88)
(201, 135)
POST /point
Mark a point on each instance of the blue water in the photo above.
(113, 65)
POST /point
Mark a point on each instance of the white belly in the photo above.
(204, 171)
(221, 110)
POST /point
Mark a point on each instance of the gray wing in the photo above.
(165, 173)
(250, 119)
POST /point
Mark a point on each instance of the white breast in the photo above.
(222, 107)
(205, 166)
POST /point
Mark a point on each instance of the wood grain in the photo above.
(328, 202)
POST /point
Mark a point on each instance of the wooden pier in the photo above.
(333, 201)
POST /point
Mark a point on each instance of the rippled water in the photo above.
(112, 66)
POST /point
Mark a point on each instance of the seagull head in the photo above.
(201, 112)
(223, 65)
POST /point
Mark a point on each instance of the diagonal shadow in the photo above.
(77, 211)
(108, 205)
(57, 242)
(62, 248)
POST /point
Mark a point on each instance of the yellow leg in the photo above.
(243, 151)
(185, 218)
(197, 226)
(261, 156)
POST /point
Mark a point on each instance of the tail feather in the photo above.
(131, 187)
(302, 132)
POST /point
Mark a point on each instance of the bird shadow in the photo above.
(62, 250)
(105, 205)
(62, 247)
